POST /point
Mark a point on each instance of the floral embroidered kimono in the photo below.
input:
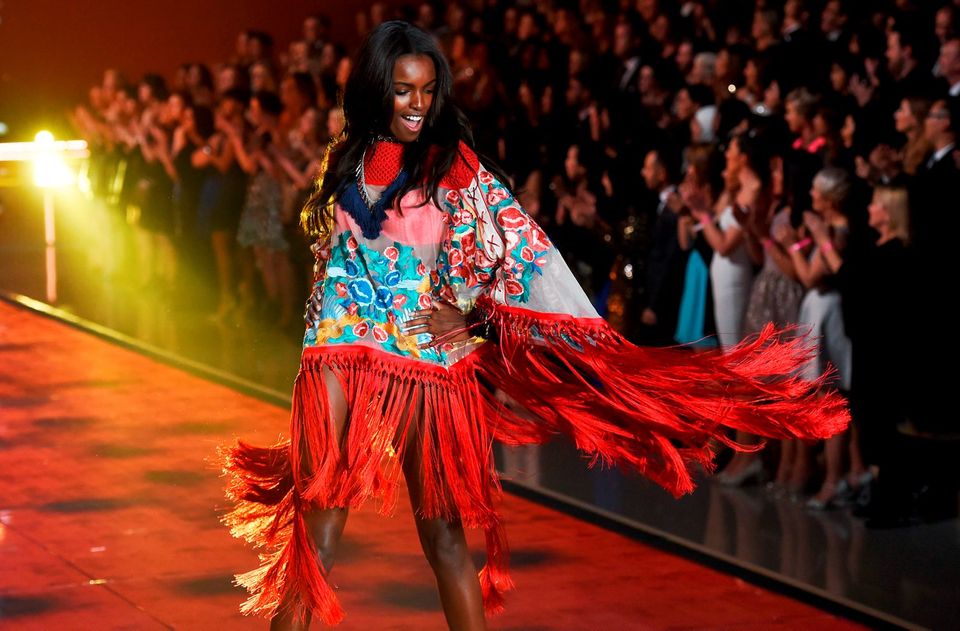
(650, 410)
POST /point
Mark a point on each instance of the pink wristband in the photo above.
(767, 244)
(826, 247)
(799, 245)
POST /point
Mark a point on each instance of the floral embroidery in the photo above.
(366, 293)
(490, 245)
(465, 261)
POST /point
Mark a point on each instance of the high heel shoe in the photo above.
(829, 496)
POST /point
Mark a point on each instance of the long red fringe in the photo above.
(654, 411)
(273, 486)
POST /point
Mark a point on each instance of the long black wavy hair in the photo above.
(368, 110)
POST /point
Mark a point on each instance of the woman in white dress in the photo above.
(816, 257)
(747, 188)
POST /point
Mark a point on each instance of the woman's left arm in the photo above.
(829, 247)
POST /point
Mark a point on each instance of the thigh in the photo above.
(322, 430)
(443, 540)
(337, 402)
(325, 525)
(410, 441)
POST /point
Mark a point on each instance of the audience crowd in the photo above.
(705, 166)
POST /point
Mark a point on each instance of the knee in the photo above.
(445, 546)
(325, 528)
(326, 548)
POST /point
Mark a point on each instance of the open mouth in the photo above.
(413, 122)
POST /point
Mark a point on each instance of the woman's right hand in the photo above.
(784, 235)
(694, 198)
(314, 305)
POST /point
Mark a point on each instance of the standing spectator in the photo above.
(909, 121)
(935, 224)
(222, 195)
(776, 294)
(192, 133)
(316, 30)
(747, 179)
(949, 66)
(877, 304)
(260, 227)
(298, 93)
(666, 261)
(695, 320)
(908, 75)
(936, 179)
(816, 259)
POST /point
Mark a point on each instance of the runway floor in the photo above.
(109, 503)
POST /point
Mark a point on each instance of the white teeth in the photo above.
(415, 119)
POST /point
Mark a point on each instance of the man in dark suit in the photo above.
(904, 63)
(916, 479)
(935, 187)
(665, 261)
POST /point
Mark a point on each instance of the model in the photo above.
(433, 290)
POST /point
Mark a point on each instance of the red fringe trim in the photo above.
(652, 410)
(271, 486)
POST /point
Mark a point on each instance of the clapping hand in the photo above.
(675, 202)
(816, 225)
(784, 235)
(695, 198)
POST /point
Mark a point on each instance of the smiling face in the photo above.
(414, 81)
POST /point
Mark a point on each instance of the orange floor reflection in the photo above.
(109, 505)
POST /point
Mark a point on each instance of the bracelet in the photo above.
(826, 247)
(767, 243)
(799, 245)
(479, 324)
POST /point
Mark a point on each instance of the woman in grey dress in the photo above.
(816, 257)
(775, 297)
(261, 225)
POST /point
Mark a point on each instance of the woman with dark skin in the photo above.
(444, 543)
(433, 289)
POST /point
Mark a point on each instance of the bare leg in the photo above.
(445, 546)
(800, 474)
(745, 466)
(833, 450)
(325, 525)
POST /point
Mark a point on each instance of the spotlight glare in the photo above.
(49, 168)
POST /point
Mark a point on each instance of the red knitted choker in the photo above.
(382, 163)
